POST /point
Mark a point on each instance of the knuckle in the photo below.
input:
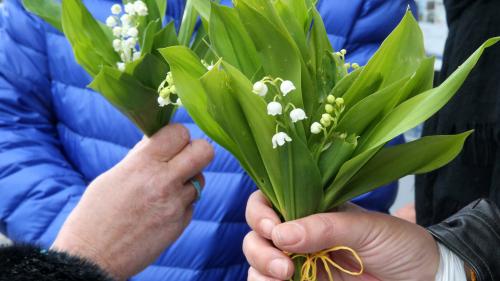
(204, 149)
(181, 132)
(325, 226)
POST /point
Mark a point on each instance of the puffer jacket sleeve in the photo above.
(38, 187)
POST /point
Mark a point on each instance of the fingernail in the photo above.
(267, 226)
(288, 234)
(279, 268)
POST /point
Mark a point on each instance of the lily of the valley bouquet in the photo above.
(121, 56)
(309, 127)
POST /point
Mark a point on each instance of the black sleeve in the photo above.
(30, 263)
(474, 235)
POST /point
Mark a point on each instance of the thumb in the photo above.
(323, 231)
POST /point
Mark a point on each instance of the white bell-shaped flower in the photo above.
(136, 56)
(117, 45)
(117, 31)
(130, 43)
(111, 21)
(140, 8)
(316, 128)
(130, 9)
(280, 138)
(125, 19)
(163, 102)
(116, 9)
(133, 32)
(260, 88)
(274, 108)
(120, 66)
(286, 87)
(297, 114)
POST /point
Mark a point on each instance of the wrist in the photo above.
(76, 246)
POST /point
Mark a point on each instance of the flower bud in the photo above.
(343, 52)
(298, 114)
(325, 122)
(274, 108)
(329, 108)
(170, 78)
(163, 102)
(260, 88)
(339, 102)
(286, 87)
(316, 128)
(355, 65)
(330, 99)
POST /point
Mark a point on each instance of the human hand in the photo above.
(131, 213)
(407, 213)
(391, 249)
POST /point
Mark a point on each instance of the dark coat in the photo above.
(475, 173)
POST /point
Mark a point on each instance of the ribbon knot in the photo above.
(309, 270)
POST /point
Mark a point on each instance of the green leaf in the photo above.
(362, 114)
(137, 102)
(278, 53)
(346, 172)
(187, 69)
(286, 166)
(231, 41)
(226, 110)
(188, 23)
(49, 10)
(419, 108)
(162, 8)
(398, 57)
(91, 45)
(166, 37)
(203, 8)
(148, 36)
(149, 70)
(332, 159)
(392, 163)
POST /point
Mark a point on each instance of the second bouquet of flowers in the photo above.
(306, 125)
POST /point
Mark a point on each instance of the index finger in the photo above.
(260, 215)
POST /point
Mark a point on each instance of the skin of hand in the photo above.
(390, 248)
(407, 213)
(130, 214)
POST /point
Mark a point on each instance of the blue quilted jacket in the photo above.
(56, 136)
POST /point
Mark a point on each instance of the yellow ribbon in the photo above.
(309, 270)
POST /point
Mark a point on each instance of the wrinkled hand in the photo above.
(131, 213)
(391, 249)
(407, 213)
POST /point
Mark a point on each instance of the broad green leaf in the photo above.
(363, 113)
(84, 32)
(346, 172)
(188, 23)
(149, 70)
(298, 195)
(278, 53)
(392, 163)
(132, 98)
(231, 41)
(166, 37)
(49, 10)
(148, 36)
(332, 159)
(225, 109)
(187, 69)
(162, 8)
(419, 108)
(203, 8)
(399, 56)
